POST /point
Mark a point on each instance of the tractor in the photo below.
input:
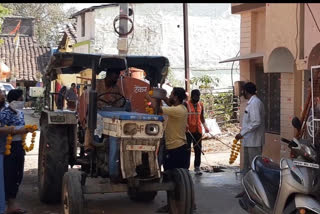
(125, 139)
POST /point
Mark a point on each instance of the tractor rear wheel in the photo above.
(53, 161)
(181, 199)
(72, 195)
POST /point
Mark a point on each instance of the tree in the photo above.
(49, 19)
(205, 82)
(3, 12)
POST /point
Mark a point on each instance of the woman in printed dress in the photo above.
(13, 164)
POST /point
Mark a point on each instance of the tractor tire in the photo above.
(181, 199)
(52, 162)
(142, 196)
(72, 195)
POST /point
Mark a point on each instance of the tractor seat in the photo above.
(269, 174)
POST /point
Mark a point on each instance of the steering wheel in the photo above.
(113, 102)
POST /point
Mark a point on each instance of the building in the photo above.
(20, 51)
(69, 38)
(278, 45)
(158, 30)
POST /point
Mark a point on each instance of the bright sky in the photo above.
(80, 6)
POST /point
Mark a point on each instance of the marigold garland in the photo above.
(24, 145)
(235, 150)
(148, 107)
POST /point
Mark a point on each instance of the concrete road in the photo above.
(214, 191)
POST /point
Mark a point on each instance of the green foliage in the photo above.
(205, 82)
(50, 19)
(219, 106)
(173, 80)
(3, 12)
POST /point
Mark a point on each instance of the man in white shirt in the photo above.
(253, 126)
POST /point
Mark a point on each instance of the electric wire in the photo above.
(297, 31)
(118, 18)
(313, 17)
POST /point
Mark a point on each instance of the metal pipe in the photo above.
(93, 75)
(92, 111)
(301, 31)
(123, 24)
(186, 47)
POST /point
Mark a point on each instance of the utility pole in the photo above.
(186, 48)
(123, 28)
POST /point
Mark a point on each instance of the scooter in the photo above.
(288, 189)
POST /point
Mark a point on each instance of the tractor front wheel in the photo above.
(72, 195)
(181, 199)
(53, 161)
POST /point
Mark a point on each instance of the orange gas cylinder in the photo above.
(134, 90)
(137, 73)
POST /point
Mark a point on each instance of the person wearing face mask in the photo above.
(4, 131)
(12, 115)
(175, 154)
(253, 128)
(194, 133)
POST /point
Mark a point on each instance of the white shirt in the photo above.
(253, 126)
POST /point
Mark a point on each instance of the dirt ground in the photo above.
(214, 191)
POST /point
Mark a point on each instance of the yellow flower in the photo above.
(7, 152)
(8, 147)
(151, 93)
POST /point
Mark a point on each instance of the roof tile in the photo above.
(29, 59)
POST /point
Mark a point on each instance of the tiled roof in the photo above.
(70, 30)
(29, 59)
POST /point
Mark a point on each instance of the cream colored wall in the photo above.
(89, 27)
(281, 29)
(67, 79)
(263, 31)
(259, 31)
(245, 33)
(312, 34)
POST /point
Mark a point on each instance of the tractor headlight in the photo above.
(152, 129)
(130, 129)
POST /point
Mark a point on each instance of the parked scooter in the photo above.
(289, 189)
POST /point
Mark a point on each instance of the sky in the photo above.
(80, 6)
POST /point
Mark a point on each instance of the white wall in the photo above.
(89, 27)
(214, 34)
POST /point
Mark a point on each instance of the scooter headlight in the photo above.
(296, 177)
(152, 129)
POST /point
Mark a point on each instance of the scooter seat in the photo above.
(269, 174)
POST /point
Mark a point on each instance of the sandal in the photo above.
(17, 211)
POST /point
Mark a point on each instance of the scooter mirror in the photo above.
(296, 123)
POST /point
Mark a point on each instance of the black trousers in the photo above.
(13, 165)
(176, 158)
(197, 148)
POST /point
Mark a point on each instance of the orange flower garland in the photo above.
(148, 108)
(24, 145)
(235, 151)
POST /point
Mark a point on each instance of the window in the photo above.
(83, 24)
(268, 90)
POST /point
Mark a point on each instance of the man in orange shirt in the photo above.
(194, 133)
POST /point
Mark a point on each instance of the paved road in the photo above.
(214, 192)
